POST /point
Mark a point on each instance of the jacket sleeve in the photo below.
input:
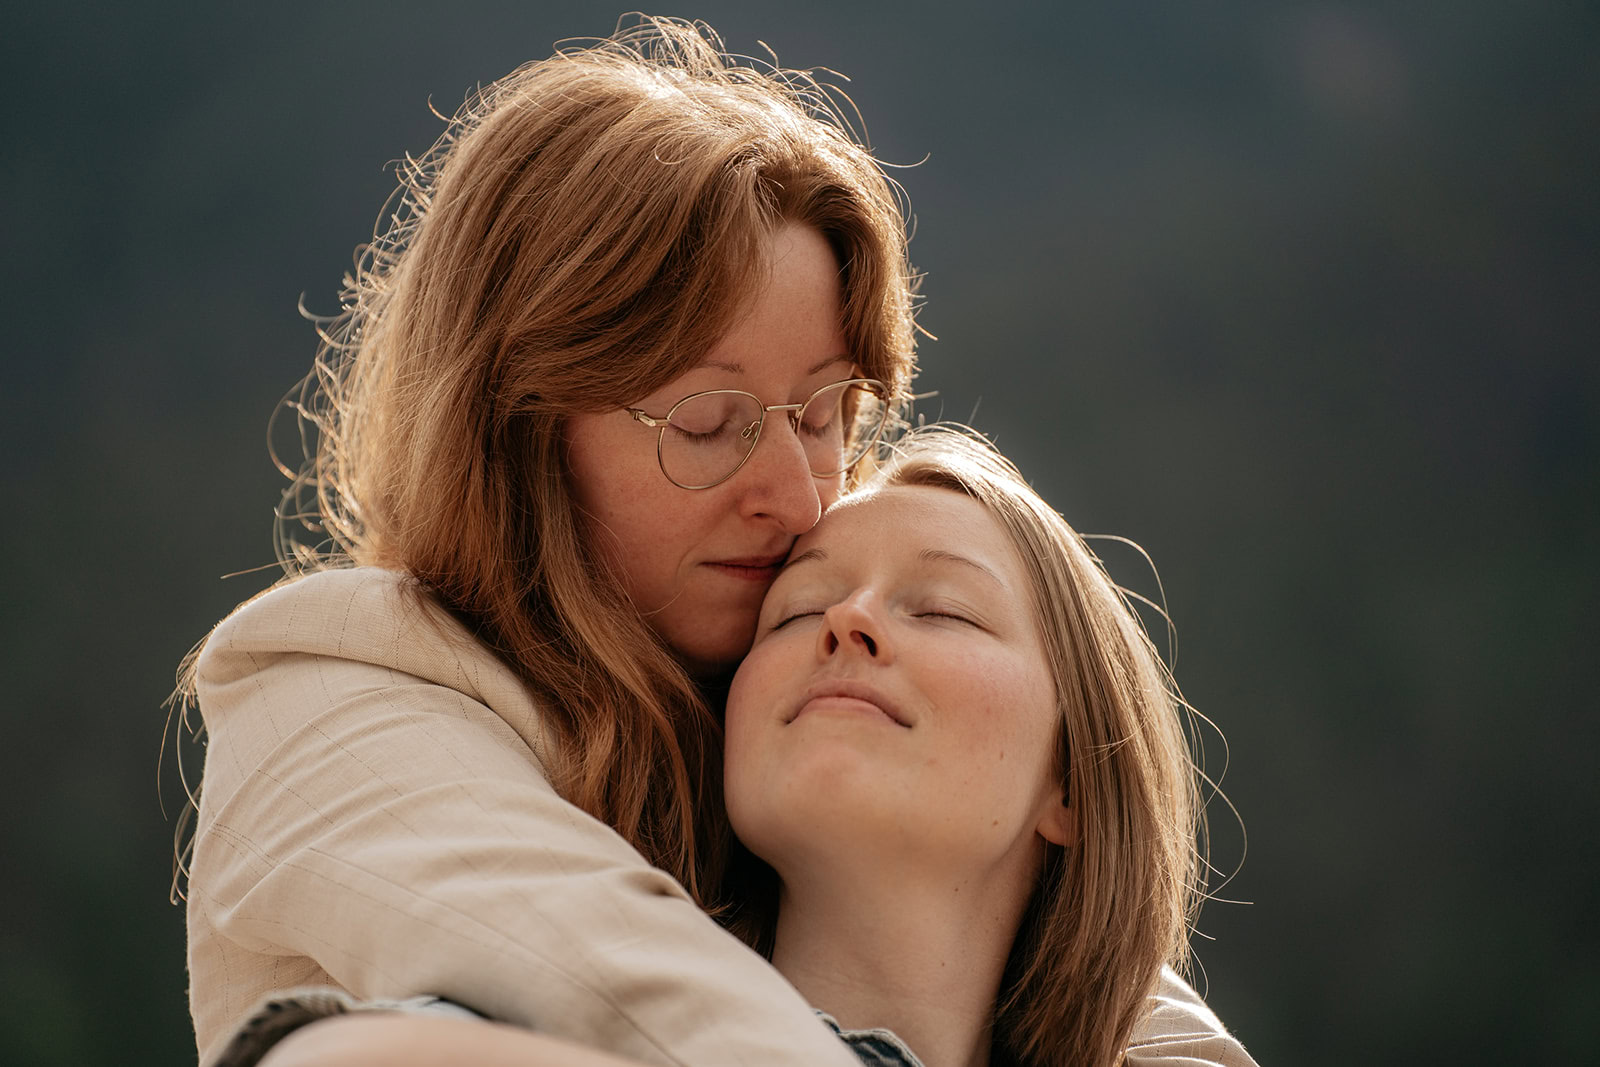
(1181, 1031)
(394, 829)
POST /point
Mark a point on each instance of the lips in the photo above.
(754, 568)
(844, 690)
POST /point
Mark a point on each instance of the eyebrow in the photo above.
(927, 555)
(738, 368)
(810, 555)
(939, 555)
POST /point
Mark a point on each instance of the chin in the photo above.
(837, 792)
(812, 834)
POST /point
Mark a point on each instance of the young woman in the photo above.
(964, 770)
(958, 750)
(642, 311)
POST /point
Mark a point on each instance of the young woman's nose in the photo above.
(855, 626)
(776, 482)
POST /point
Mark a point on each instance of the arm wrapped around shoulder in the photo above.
(375, 817)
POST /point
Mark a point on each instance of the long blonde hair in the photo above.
(1108, 912)
(585, 230)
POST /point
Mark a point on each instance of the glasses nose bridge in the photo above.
(792, 411)
(792, 416)
(752, 433)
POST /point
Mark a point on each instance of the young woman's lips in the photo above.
(754, 569)
(850, 697)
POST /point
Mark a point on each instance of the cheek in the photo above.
(739, 771)
(753, 685)
(1015, 713)
(611, 474)
(615, 539)
(586, 447)
(604, 492)
(625, 514)
(756, 701)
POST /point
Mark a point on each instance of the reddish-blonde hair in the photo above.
(585, 230)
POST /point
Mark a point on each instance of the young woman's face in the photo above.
(697, 562)
(897, 702)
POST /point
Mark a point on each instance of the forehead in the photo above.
(909, 521)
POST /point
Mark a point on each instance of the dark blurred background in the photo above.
(1304, 297)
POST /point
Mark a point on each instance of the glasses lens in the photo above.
(840, 424)
(707, 436)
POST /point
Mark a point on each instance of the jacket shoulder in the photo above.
(1181, 1030)
(362, 617)
(327, 612)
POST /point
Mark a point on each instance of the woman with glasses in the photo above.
(635, 321)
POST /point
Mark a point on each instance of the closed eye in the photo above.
(941, 614)
(792, 616)
(705, 437)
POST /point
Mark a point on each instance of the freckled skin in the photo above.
(952, 646)
(668, 542)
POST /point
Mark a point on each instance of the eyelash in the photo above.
(946, 615)
(787, 619)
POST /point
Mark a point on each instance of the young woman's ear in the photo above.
(1059, 823)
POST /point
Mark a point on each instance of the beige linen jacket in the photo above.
(375, 816)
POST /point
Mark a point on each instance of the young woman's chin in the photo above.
(828, 797)
(835, 802)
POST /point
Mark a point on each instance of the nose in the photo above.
(776, 483)
(855, 626)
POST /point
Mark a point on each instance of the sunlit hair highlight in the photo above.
(585, 230)
(1110, 911)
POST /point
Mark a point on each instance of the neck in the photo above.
(890, 950)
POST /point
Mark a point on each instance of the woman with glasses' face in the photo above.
(697, 562)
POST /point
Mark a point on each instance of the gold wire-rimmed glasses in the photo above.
(706, 437)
